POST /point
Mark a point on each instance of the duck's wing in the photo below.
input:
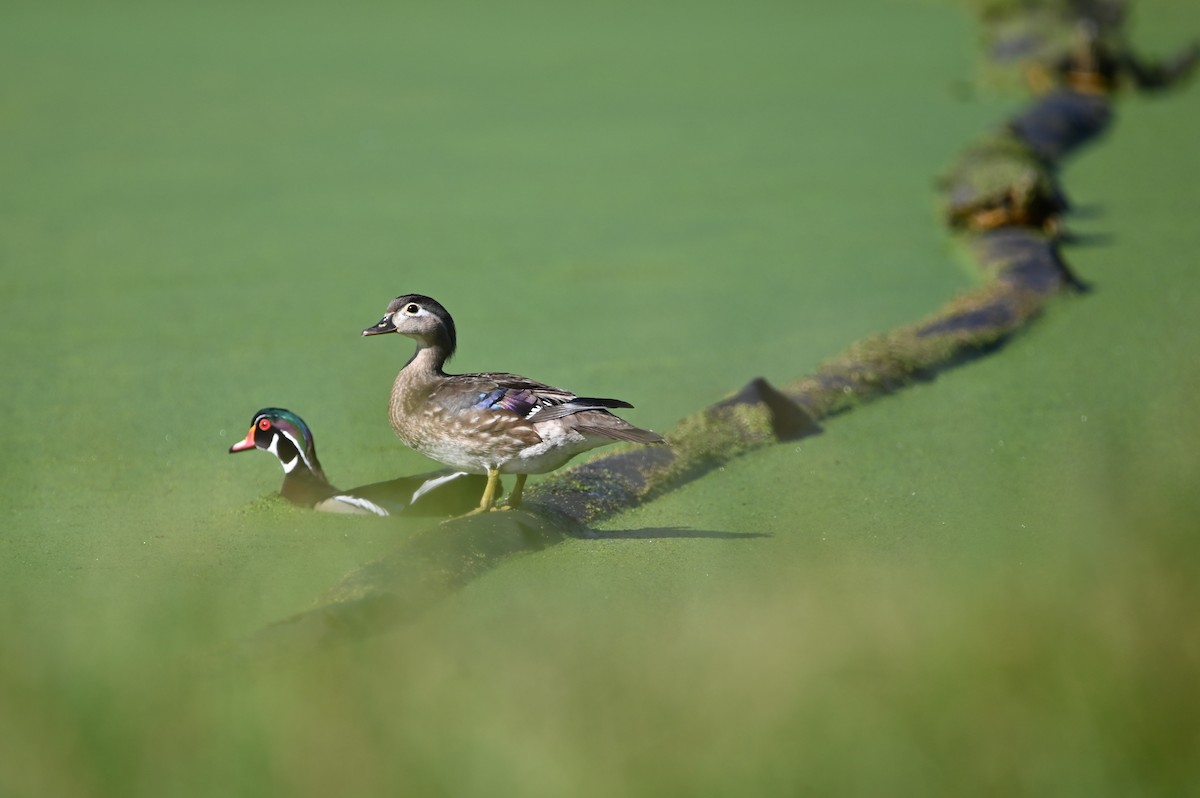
(510, 393)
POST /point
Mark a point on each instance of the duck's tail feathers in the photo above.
(593, 402)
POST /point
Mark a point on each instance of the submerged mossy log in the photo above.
(1025, 269)
(1074, 54)
(1061, 122)
(998, 181)
(1078, 44)
(1009, 178)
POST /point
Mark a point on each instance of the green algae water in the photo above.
(987, 582)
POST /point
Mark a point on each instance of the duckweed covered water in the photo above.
(985, 582)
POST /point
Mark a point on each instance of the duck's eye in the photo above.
(412, 308)
(264, 424)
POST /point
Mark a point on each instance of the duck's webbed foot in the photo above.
(488, 500)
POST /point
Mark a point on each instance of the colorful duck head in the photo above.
(285, 435)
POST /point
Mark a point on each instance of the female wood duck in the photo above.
(489, 423)
(285, 435)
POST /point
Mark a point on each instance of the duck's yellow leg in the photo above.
(514, 498)
(489, 493)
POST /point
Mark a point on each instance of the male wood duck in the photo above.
(489, 423)
(285, 435)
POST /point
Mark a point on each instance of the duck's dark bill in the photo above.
(385, 325)
(242, 446)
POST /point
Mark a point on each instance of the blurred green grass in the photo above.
(983, 584)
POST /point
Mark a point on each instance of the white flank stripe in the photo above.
(430, 484)
(361, 503)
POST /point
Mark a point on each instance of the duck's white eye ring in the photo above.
(412, 308)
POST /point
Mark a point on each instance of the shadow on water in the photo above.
(428, 567)
(663, 532)
(1073, 239)
(1091, 210)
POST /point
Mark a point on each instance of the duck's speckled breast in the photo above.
(462, 436)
